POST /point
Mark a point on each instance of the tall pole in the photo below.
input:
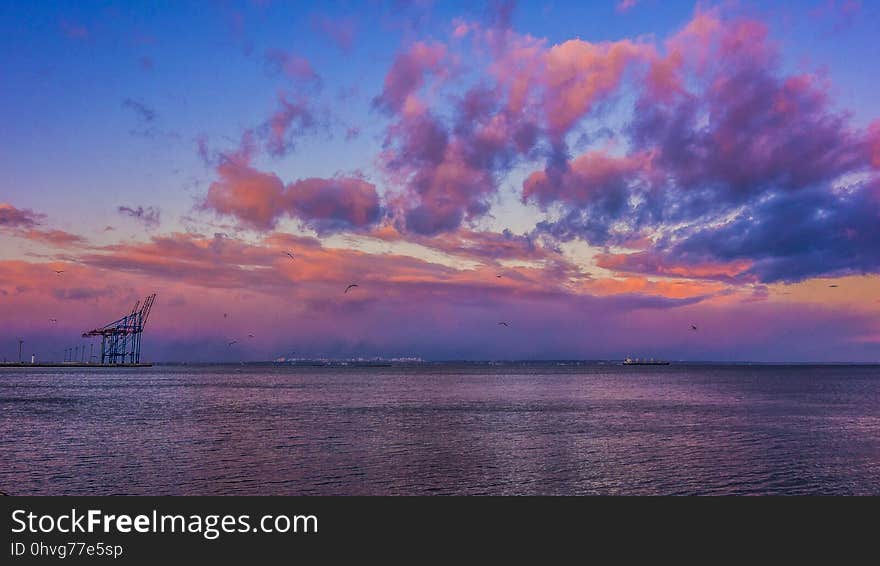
(20, 342)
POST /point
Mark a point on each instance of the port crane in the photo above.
(121, 339)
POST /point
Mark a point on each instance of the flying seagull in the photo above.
(53, 320)
(503, 324)
(58, 271)
(290, 255)
(833, 286)
(232, 342)
(350, 287)
(498, 276)
(250, 335)
(694, 327)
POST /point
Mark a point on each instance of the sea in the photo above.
(550, 428)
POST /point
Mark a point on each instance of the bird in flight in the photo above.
(290, 255)
(350, 287)
(53, 320)
(250, 336)
(833, 286)
(232, 342)
(498, 276)
(225, 315)
(694, 327)
(503, 324)
(58, 271)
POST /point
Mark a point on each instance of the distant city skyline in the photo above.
(443, 180)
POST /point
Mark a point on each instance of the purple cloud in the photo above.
(12, 217)
(729, 159)
(293, 119)
(142, 111)
(149, 217)
(408, 74)
(291, 65)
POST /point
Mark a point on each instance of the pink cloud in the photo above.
(624, 6)
(447, 193)
(407, 75)
(578, 74)
(255, 198)
(448, 169)
(461, 28)
(564, 82)
(587, 178)
(259, 200)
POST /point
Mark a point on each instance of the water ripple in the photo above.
(442, 429)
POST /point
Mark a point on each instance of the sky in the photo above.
(602, 177)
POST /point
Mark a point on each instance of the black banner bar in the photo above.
(135, 530)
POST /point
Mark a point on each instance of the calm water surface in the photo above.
(442, 429)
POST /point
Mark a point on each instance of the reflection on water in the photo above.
(444, 429)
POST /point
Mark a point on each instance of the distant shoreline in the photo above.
(70, 365)
(337, 364)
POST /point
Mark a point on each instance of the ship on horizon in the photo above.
(644, 362)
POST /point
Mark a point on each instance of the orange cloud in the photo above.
(55, 238)
(482, 246)
(259, 200)
(577, 74)
(645, 286)
(651, 263)
(24, 223)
